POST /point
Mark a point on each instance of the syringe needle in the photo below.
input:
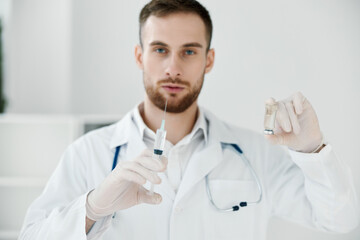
(165, 109)
(162, 127)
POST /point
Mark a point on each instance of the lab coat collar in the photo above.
(122, 131)
(200, 125)
(218, 131)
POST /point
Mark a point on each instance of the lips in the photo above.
(172, 88)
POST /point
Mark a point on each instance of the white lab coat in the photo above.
(312, 189)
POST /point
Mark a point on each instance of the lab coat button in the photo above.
(178, 210)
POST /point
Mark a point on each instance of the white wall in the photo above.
(105, 77)
(38, 62)
(77, 57)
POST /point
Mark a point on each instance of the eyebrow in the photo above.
(192, 44)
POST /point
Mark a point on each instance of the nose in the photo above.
(173, 68)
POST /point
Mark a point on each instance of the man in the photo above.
(84, 199)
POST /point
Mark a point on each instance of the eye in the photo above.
(189, 52)
(160, 50)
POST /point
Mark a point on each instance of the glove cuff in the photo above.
(318, 149)
(321, 145)
(90, 212)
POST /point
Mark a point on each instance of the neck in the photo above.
(177, 125)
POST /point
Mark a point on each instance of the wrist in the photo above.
(319, 148)
(88, 224)
(315, 146)
(92, 212)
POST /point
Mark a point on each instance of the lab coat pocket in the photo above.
(231, 225)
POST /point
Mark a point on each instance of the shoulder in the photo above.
(235, 132)
(261, 153)
(241, 132)
(95, 138)
(250, 141)
(90, 150)
(247, 138)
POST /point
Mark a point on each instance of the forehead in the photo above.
(174, 29)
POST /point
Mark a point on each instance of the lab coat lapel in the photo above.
(204, 161)
(198, 167)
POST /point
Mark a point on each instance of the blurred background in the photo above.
(67, 67)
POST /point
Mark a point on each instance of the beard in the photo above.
(174, 105)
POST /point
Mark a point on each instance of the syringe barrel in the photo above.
(159, 141)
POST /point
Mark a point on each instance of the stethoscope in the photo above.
(238, 150)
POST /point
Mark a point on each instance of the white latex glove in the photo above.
(122, 188)
(296, 125)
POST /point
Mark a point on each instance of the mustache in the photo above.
(174, 81)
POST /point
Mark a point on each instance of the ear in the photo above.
(210, 58)
(138, 56)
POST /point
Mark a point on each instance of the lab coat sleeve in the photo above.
(59, 212)
(317, 191)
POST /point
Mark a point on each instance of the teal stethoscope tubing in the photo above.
(238, 150)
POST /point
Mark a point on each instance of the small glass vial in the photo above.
(270, 116)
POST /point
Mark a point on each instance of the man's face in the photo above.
(174, 59)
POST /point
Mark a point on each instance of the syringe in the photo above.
(159, 143)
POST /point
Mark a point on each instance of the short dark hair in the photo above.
(162, 8)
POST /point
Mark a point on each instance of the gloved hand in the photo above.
(122, 188)
(296, 125)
